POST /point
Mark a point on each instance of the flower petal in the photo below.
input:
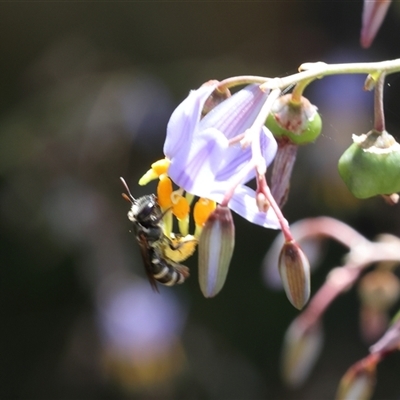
(236, 157)
(194, 168)
(184, 120)
(237, 113)
(244, 203)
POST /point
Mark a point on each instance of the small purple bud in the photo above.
(216, 245)
(295, 274)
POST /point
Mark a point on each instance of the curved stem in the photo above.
(311, 71)
(342, 278)
(299, 89)
(262, 187)
(241, 80)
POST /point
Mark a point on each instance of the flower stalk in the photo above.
(379, 114)
(362, 254)
(312, 71)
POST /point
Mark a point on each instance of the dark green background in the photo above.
(86, 90)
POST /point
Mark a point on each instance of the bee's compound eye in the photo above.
(148, 212)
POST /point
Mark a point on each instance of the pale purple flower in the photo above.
(205, 163)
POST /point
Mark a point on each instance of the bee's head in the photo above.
(146, 211)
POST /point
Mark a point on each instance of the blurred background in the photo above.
(86, 91)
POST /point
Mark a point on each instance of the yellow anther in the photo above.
(180, 205)
(202, 210)
(160, 167)
(150, 175)
(164, 192)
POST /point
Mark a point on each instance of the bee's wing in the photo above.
(182, 269)
(145, 252)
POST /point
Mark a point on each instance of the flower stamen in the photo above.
(157, 169)
(180, 205)
(202, 210)
(164, 192)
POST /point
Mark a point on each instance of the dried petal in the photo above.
(282, 171)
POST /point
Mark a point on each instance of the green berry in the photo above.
(371, 165)
(299, 122)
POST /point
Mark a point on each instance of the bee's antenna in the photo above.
(128, 197)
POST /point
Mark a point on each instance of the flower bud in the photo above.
(216, 245)
(379, 289)
(370, 166)
(301, 349)
(295, 274)
(357, 383)
(297, 121)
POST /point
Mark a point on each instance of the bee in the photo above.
(161, 254)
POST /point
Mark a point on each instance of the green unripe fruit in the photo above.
(371, 165)
(299, 122)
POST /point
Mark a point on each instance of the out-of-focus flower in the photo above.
(140, 334)
(301, 349)
(374, 12)
(378, 290)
